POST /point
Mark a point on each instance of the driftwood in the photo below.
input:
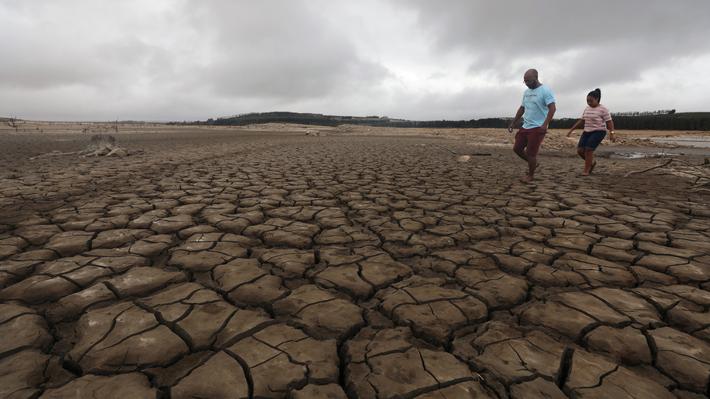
(698, 174)
(101, 145)
(660, 165)
(473, 154)
(53, 154)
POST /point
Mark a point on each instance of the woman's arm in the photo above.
(610, 128)
(576, 125)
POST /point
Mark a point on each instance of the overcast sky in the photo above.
(413, 59)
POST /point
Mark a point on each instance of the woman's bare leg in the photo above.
(588, 162)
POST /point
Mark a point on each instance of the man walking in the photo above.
(537, 110)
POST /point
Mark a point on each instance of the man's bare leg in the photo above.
(524, 156)
(532, 166)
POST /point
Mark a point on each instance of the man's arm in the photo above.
(518, 115)
(550, 113)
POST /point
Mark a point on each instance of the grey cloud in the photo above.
(40, 52)
(467, 103)
(186, 60)
(278, 49)
(615, 40)
(546, 26)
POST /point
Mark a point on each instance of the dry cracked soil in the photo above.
(273, 265)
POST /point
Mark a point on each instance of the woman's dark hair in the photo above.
(596, 93)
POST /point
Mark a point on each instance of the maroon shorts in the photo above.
(530, 139)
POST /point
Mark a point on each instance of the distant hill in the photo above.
(657, 120)
(336, 120)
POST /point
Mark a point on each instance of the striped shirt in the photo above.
(596, 118)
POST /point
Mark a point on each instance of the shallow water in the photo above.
(639, 155)
(633, 152)
(689, 141)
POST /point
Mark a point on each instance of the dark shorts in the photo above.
(529, 139)
(591, 140)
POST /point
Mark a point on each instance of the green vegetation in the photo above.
(656, 120)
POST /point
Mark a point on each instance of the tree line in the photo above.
(655, 120)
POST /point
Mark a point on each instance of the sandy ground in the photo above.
(293, 261)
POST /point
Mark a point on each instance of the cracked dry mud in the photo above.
(273, 265)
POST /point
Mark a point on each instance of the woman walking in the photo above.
(597, 120)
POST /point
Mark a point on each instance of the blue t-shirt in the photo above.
(535, 102)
